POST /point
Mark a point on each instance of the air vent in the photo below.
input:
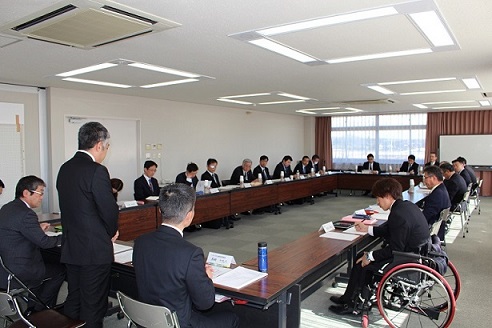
(86, 24)
(368, 102)
(487, 94)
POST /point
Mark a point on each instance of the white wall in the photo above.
(188, 132)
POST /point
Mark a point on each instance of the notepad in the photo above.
(353, 231)
(349, 218)
(152, 198)
(239, 277)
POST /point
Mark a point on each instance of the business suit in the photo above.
(303, 169)
(406, 231)
(375, 166)
(466, 176)
(471, 173)
(142, 189)
(238, 171)
(456, 187)
(89, 221)
(175, 277)
(265, 173)
(181, 178)
(213, 177)
(316, 167)
(20, 244)
(436, 163)
(279, 168)
(433, 204)
(406, 168)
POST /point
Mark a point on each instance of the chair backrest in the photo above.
(226, 182)
(147, 315)
(436, 225)
(7, 306)
(466, 196)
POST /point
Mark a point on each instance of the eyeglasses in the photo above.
(428, 176)
(40, 193)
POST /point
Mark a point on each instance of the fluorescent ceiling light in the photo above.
(419, 81)
(87, 69)
(163, 70)
(282, 50)
(484, 103)
(283, 94)
(453, 107)
(380, 89)
(249, 95)
(471, 83)
(304, 111)
(164, 84)
(380, 55)
(281, 102)
(350, 111)
(235, 101)
(311, 110)
(420, 106)
(106, 84)
(433, 28)
(448, 102)
(430, 92)
(326, 21)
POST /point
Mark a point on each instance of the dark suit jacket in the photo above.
(375, 166)
(436, 163)
(316, 167)
(238, 171)
(305, 170)
(264, 173)
(181, 178)
(466, 176)
(415, 167)
(89, 211)
(20, 243)
(170, 271)
(471, 173)
(435, 202)
(406, 230)
(207, 176)
(279, 168)
(456, 187)
(142, 190)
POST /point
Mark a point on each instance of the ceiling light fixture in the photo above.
(281, 102)
(380, 89)
(106, 84)
(234, 101)
(164, 84)
(163, 70)
(484, 103)
(419, 81)
(456, 107)
(87, 69)
(248, 95)
(430, 92)
(380, 55)
(283, 50)
(420, 106)
(471, 83)
(433, 28)
(283, 94)
(448, 102)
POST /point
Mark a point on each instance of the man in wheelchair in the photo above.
(406, 230)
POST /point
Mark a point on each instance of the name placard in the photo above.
(130, 203)
(221, 260)
(327, 227)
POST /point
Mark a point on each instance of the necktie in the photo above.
(370, 166)
(151, 186)
(213, 177)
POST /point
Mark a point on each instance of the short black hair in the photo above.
(314, 157)
(433, 170)
(263, 158)
(1, 184)
(191, 167)
(211, 161)
(411, 157)
(90, 134)
(446, 166)
(370, 155)
(387, 187)
(304, 157)
(461, 160)
(30, 183)
(149, 164)
(117, 184)
(287, 158)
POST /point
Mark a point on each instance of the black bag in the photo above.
(438, 255)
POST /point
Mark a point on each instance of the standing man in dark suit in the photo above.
(459, 167)
(262, 169)
(189, 176)
(146, 185)
(371, 164)
(90, 225)
(176, 276)
(432, 160)
(283, 166)
(22, 238)
(455, 184)
(410, 165)
(304, 166)
(243, 170)
(210, 174)
(406, 230)
(437, 200)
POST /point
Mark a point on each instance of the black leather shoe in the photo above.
(338, 299)
(342, 309)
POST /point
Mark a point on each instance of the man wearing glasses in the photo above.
(22, 238)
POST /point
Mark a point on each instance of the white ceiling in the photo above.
(203, 45)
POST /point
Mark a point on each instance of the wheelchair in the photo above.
(411, 294)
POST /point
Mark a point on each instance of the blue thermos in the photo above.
(262, 257)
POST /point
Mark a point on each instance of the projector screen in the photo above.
(477, 149)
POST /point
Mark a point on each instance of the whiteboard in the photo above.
(477, 149)
(122, 159)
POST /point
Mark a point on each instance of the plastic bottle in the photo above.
(282, 175)
(260, 178)
(241, 181)
(262, 257)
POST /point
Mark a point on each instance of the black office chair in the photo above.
(226, 183)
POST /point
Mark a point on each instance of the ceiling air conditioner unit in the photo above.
(86, 24)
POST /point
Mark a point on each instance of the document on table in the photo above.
(338, 235)
(239, 277)
(152, 198)
(380, 216)
(353, 231)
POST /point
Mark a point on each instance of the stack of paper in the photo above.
(239, 277)
(122, 253)
(338, 235)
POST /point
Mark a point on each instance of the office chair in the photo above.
(146, 315)
(475, 195)
(437, 225)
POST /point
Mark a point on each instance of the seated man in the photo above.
(304, 166)
(189, 176)
(459, 167)
(22, 238)
(146, 185)
(371, 165)
(176, 276)
(283, 166)
(243, 170)
(455, 184)
(210, 174)
(468, 168)
(406, 230)
(437, 200)
(432, 159)
(262, 169)
(410, 165)
(315, 163)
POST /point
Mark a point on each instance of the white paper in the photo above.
(360, 212)
(118, 248)
(221, 298)
(214, 190)
(380, 216)
(353, 231)
(339, 236)
(377, 208)
(221, 260)
(133, 203)
(200, 186)
(268, 182)
(328, 226)
(247, 185)
(287, 179)
(124, 257)
(152, 198)
(239, 277)
(52, 233)
(218, 271)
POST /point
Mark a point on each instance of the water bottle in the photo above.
(312, 172)
(412, 185)
(298, 175)
(260, 177)
(324, 169)
(241, 181)
(282, 175)
(262, 257)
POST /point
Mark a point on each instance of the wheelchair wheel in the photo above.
(414, 295)
(453, 278)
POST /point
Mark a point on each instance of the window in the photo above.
(390, 138)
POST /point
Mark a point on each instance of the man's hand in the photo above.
(209, 270)
(359, 226)
(44, 226)
(364, 260)
(116, 235)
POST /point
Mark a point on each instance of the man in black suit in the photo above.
(189, 176)
(315, 163)
(262, 169)
(459, 167)
(437, 200)
(406, 230)
(243, 170)
(468, 169)
(371, 164)
(210, 174)
(283, 166)
(410, 165)
(146, 185)
(176, 276)
(90, 225)
(432, 160)
(455, 184)
(304, 166)
(22, 238)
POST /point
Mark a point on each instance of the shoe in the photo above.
(236, 218)
(342, 309)
(338, 299)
